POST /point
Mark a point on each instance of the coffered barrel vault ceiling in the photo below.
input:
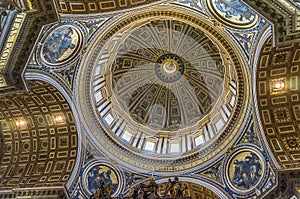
(38, 138)
(278, 100)
(98, 6)
(158, 89)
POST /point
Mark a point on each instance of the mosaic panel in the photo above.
(234, 13)
(96, 174)
(39, 138)
(60, 45)
(245, 169)
(104, 173)
(278, 100)
(97, 6)
(59, 49)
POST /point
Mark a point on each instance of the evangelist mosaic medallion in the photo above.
(245, 170)
(98, 174)
(61, 45)
(233, 13)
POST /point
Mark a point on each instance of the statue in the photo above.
(174, 189)
(146, 191)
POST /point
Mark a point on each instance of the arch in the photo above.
(40, 145)
(267, 34)
(45, 78)
(277, 96)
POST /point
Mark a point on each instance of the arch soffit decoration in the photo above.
(277, 95)
(75, 7)
(33, 75)
(44, 107)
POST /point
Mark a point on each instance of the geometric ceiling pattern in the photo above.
(185, 81)
(278, 98)
(39, 139)
(98, 6)
(127, 70)
(146, 147)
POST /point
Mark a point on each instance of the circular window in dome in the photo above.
(164, 88)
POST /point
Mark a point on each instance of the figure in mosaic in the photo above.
(100, 182)
(247, 172)
(234, 8)
(58, 43)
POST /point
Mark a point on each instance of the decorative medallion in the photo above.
(96, 174)
(245, 169)
(234, 13)
(61, 45)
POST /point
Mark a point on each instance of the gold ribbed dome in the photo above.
(167, 75)
(162, 89)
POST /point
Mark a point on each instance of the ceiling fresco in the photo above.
(192, 99)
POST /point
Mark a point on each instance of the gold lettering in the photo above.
(11, 39)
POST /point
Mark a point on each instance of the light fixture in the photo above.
(21, 123)
(59, 118)
(278, 85)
